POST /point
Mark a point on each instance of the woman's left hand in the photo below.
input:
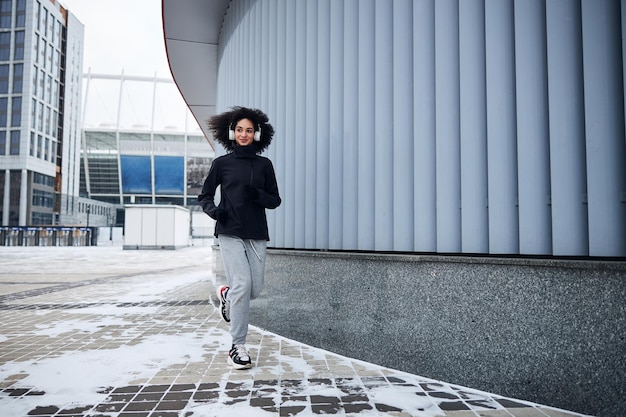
(251, 193)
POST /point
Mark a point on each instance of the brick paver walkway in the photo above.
(99, 331)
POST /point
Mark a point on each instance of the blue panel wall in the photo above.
(136, 176)
(475, 126)
(169, 174)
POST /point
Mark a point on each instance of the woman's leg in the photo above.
(256, 250)
(244, 263)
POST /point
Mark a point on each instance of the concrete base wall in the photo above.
(548, 331)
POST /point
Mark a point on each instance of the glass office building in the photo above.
(41, 54)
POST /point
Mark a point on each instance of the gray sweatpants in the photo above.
(244, 264)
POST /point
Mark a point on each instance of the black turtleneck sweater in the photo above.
(236, 172)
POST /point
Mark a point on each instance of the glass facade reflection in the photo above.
(144, 168)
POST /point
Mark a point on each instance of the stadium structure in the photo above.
(140, 143)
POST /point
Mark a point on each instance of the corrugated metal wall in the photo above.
(474, 126)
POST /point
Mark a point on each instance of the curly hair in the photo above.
(220, 124)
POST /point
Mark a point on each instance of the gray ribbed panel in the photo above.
(290, 176)
(474, 214)
(604, 125)
(384, 128)
(501, 127)
(403, 217)
(481, 126)
(337, 129)
(447, 160)
(365, 126)
(271, 97)
(322, 81)
(567, 129)
(533, 151)
(350, 155)
(424, 126)
(311, 127)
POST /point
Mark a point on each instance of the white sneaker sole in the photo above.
(237, 365)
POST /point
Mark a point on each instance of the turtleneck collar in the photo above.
(249, 151)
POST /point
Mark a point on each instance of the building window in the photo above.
(42, 82)
(16, 112)
(4, 111)
(5, 46)
(46, 150)
(35, 72)
(57, 62)
(37, 13)
(57, 36)
(4, 79)
(36, 45)
(42, 53)
(44, 22)
(39, 145)
(50, 32)
(33, 144)
(18, 78)
(3, 142)
(40, 117)
(5, 13)
(18, 51)
(55, 92)
(49, 54)
(49, 90)
(43, 179)
(41, 218)
(33, 114)
(15, 142)
(42, 198)
(54, 152)
(20, 14)
(15, 183)
(47, 120)
(54, 123)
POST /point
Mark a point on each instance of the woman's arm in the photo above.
(206, 199)
(269, 196)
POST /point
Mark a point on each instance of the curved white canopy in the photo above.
(191, 31)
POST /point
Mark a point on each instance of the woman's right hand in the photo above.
(221, 215)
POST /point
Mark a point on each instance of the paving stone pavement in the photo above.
(99, 331)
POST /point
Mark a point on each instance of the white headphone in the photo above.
(231, 133)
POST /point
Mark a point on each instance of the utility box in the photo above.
(156, 227)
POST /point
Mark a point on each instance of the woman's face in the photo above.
(244, 132)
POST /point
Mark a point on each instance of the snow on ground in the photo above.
(77, 377)
(84, 373)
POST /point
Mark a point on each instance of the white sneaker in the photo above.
(239, 358)
(222, 293)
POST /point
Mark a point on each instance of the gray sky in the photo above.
(122, 35)
(127, 35)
